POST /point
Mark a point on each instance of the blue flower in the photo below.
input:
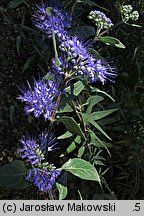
(34, 151)
(42, 179)
(40, 98)
(83, 63)
(30, 150)
(57, 20)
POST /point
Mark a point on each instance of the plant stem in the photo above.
(54, 114)
(104, 32)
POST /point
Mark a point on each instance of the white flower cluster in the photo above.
(100, 19)
(127, 14)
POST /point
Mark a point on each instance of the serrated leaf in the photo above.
(61, 185)
(81, 169)
(65, 135)
(92, 100)
(101, 114)
(71, 125)
(111, 41)
(12, 175)
(90, 120)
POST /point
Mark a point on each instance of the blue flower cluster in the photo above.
(31, 151)
(34, 153)
(82, 62)
(42, 178)
(76, 58)
(40, 98)
(48, 19)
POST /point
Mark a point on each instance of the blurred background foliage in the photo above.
(25, 53)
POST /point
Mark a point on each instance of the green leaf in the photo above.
(92, 100)
(81, 151)
(98, 162)
(65, 135)
(15, 3)
(101, 114)
(18, 43)
(111, 41)
(88, 119)
(73, 145)
(48, 76)
(64, 105)
(71, 125)
(100, 91)
(12, 175)
(75, 89)
(58, 63)
(97, 142)
(62, 186)
(81, 169)
(66, 109)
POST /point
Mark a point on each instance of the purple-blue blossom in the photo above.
(83, 63)
(40, 98)
(30, 150)
(33, 150)
(75, 56)
(42, 178)
(56, 20)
